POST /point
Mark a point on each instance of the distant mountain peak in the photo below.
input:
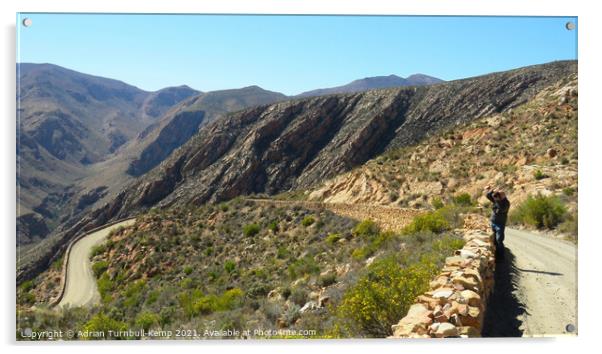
(375, 82)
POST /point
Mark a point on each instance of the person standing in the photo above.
(499, 217)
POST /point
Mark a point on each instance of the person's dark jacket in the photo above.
(500, 210)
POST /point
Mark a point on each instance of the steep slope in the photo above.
(528, 150)
(177, 127)
(300, 143)
(155, 143)
(68, 121)
(375, 82)
(82, 138)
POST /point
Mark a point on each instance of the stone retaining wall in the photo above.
(455, 304)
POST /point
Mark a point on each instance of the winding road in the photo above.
(80, 285)
(535, 290)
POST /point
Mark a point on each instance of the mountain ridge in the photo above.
(374, 82)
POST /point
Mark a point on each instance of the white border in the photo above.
(590, 322)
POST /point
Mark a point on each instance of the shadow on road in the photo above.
(504, 308)
(539, 272)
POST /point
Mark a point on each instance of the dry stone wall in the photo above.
(455, 304)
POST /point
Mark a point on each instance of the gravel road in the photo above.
(536, 288)
(80, 288)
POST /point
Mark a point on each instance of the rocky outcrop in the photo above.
(171, 137)
(455, 304)
(30, 227)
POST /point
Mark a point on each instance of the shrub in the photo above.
(540, 212)
(27, 285)
(382, 296)
(299, 296)
(146, 320)
(569, 225)
(282, 252)
(538, 174)
(331, 239)
(366, 229)
(374, 245)
(430, 221)
(327, 279)
(273, 226)
(188, 270)
(195, 303)
(251, 230)
(307, 221)
(103, 323)
(230, 266)
(447, 244)
(105, 287)
(437, 203)
(99, 267)
(98, 249)
(463, 199)
(569, 191)
(302, 266)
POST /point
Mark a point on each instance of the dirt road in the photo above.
(80, 286)
(536, 288)
(388, 218)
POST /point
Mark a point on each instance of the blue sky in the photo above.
(289, 54)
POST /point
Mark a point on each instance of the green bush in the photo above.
(282, 252)
(307, 221)
(99, 267)
(105, 287)
(302, 266)
(538, 175)
(146, 320)
(188, 270)
(366, 229)
(273, 226)
(299, 296)
(327, 280)
(437, 203)
(375, 243)
(570, 226)
(382, 296)
(103, 323)
(463, 199)
(230, 266)
(251, 230)
(194, 302)
(430, 221)
(331, 239)
(98, 249)
(540, 212)
(569, 191)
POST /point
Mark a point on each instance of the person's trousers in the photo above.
(498, 231)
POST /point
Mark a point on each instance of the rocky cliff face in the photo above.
(68, 121)
(300, 143)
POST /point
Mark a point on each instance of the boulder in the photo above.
(445, 329)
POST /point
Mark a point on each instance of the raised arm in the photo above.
(489, 194)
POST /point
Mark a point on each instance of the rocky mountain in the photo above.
(68, 121)
(174, 129)
(375, 82)
(298, 144)
(82, 137)
(526, 151)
